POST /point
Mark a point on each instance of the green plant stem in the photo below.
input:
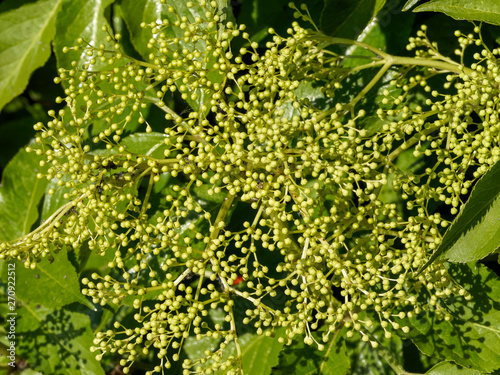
(368, 87)
(49, 223)
(442, 63)
(387, 61)
(407, 144)
(181, 277)
(148, 193)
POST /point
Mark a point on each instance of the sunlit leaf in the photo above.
(52, 284)
(475, 233)
(449, 368)
(148, 144)
(484, 10)
(136, 12)
(410, 4)
(472, 337)
(80, 19)
(25, 36)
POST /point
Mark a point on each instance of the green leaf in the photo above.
(25, 36)
(52, 284)
(364, 359)
(449, 368)
(202, 193)
(309, 93)
(136, 12)
(475, 232)
(259, 15)
(472, 337)
(148, 11)
(148, 144)
(20, 194)
(481, 10)
(374, 37)
(410, 4)
(347, 18)
(54, 340)
(57, 341)
(259, 353)
(52, 203)
(80, 19)
(302, 359)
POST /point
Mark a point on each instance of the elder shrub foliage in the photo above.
(297, 194)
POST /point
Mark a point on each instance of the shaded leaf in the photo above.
(203, 195)
(259, 352)
(258, 15)
(194, 348)
(53, 341)
(375, 37)
(57, 341)
(15, 134)
(25, 36)
(302, 359)
(475, 232)
(472, 337)
(364, 359)
(481, 10)
(347, 18)
(20, 194)
(309, 93)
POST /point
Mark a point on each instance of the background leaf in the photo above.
(302, 359)
(25, 36)
(80, 19)
(475, 233)
(364, 359)
(134, 13)
(479, 10)
(472, 337)
(152, 11)
(347, 18)
(259, 15)
(260, 353)
(149, 144)
(20, 194)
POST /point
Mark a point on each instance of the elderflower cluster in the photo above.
(322, 241)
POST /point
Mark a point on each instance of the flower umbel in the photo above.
(342, 217)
